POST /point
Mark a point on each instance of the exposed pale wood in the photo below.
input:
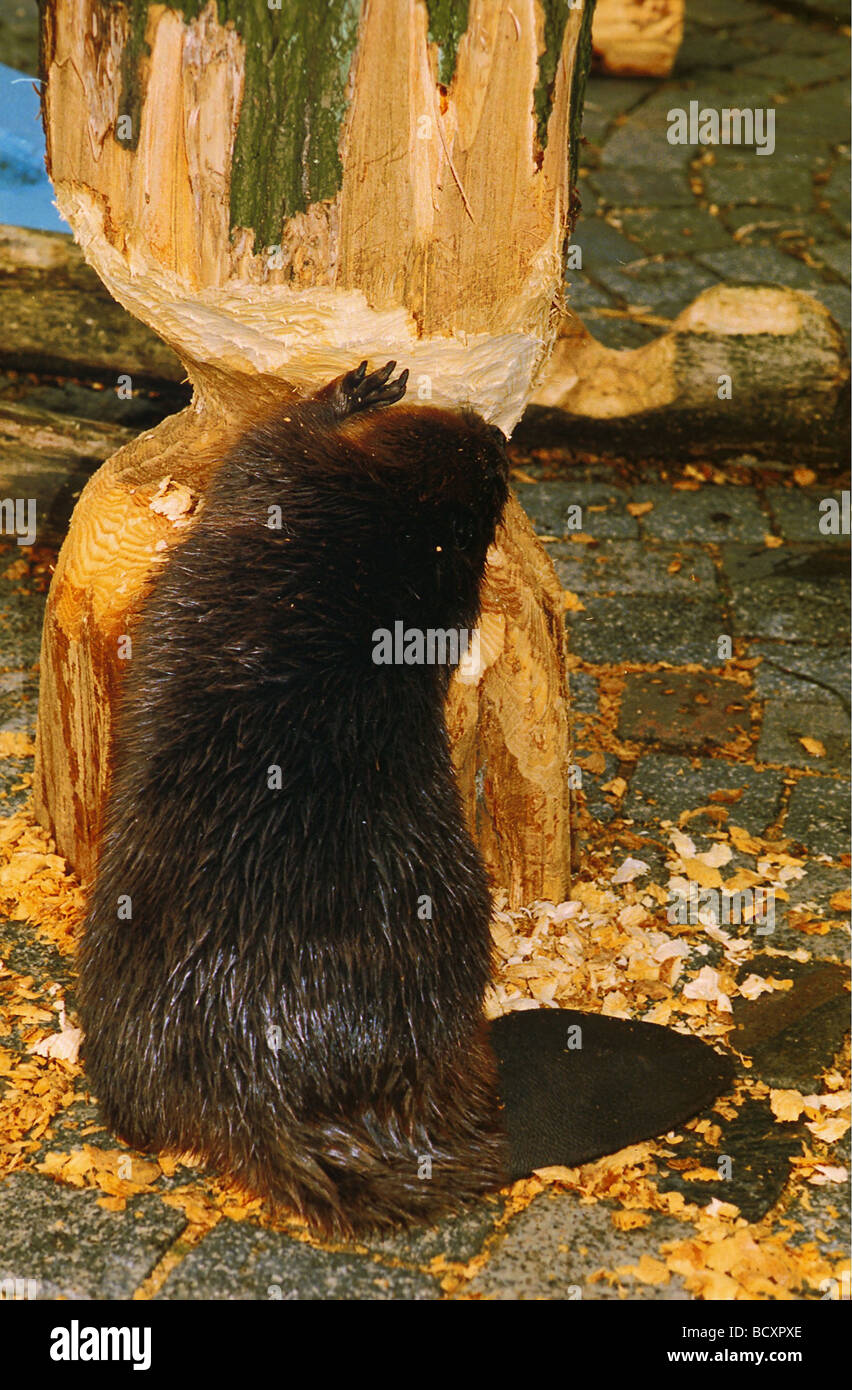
(513, 780)
(638, 38)
(465, 288)
(114, 544)
(442, 248)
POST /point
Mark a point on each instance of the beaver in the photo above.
(287, 944)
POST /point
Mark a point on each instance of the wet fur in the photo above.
(255, 910)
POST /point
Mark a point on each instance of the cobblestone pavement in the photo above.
(662, 222)
(709, 637)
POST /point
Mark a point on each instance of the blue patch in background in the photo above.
(26, 193)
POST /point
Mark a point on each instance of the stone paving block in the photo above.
(145, 409)
(27, 952)
(675, 230)
(818, 815)
(582, 471)
(663, 786)
(793, 1036)
(719, 514)
(780, 32)
(758, 265)
(759, 1149)
(584, 692)
(61, 1238)
(52, 482)
(553, 1247)
(673, 628)
(814, 119)
(21, 616)
(789, 593)
(458, 1238)
(679, 709)
(606, 100)
(641, 143)
(798, 515)
(835, 194)
(834, 254)
(758, 224)
(603, 244)
(65, 1134)
(584, 295)
(18, 701)
(827, 1212)
(633, 567)
(589, 200)
(738, 177)
(820, 675)
(818, 886)
(834, 298)
(548, 505)
(641, 188)
(665, 288)
(827, 9)
(723, 87)
(728, 14)
(830, 946)
(11, 772)
(701, 52)
(787, 722)
(243, 1262)
(592, 797)
(792, 69)
(619, 332)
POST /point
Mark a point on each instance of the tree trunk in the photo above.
(279, 194)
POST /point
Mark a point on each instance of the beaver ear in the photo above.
(577, 1086)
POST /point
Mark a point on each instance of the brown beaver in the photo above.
(287, 945)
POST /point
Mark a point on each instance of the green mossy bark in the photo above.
(447, 23)
(582, 64)
(297, 62)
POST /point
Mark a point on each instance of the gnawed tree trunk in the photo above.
(637, 38)
(741, 363)
(279, 194)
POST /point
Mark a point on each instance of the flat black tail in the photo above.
(576, 1086)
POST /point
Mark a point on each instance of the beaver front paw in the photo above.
(355, 391)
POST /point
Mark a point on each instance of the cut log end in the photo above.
(637, 38)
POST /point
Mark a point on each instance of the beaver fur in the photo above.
(297, 994)
(287, 945)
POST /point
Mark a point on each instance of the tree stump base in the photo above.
(508, 720)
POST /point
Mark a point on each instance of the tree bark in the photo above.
(279, 194)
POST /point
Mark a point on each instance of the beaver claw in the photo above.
(355, 391)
